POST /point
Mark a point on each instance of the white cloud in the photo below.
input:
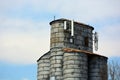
(24, 41)
(85, 10)
(25, 79)
(20, 46)
(109, 40)
(91, 10)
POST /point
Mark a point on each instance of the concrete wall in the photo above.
(80, 33)
(61, 37)
(71, 65)
(57, 35)
(43, 70)
(97, 68)
(75, 66)
(56, 63)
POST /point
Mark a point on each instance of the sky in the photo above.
(25, 30)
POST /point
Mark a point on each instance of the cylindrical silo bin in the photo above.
(56, 58)
(75, 66)
(57, 35)
(43, 67)
(97, 67)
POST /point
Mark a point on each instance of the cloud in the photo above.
(23, 46)
(23, 38)
(84, 10)
(25, 79)
(109, 40)
(91, 10)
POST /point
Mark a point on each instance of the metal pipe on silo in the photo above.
(65, 25)
(72, 28)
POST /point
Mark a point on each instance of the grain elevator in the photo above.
(71, 54)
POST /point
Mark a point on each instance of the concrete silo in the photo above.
(71, 54)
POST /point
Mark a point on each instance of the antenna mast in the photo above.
(72, 28)
(96, 41)
(54, 17)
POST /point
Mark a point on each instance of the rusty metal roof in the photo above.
(82, 51)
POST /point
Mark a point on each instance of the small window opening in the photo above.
(86, 41)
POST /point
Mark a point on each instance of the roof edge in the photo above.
(43, 55)
(63, 19)
(77, 50)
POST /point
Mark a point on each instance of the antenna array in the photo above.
(95, 36)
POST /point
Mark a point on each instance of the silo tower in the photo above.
(71, 34)
(71, 54)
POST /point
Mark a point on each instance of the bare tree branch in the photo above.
(114, 70)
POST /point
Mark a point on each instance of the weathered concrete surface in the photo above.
(71, 65)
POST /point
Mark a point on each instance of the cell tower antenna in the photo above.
(96, 41)
(54, 17)
(72, 27)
